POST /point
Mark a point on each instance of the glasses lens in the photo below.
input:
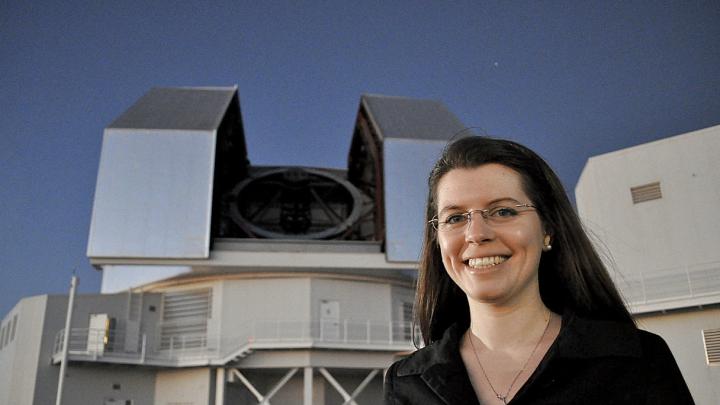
(499, 215)
(453, 221)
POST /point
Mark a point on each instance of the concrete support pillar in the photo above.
(308, 386)
(220, 386)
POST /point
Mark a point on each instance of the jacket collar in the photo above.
(442, 369)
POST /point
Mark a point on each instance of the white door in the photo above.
(329, 320)
(98, 330)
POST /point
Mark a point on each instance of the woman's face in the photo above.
(491, 261)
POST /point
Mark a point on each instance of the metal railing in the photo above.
(120, 346)
(670, 284)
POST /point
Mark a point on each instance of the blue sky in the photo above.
(570, 79)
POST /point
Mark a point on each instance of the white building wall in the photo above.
(682, 331)
(184, 386)
(298, 299)
(19, 357)
(100, 384)
(265, 299)
(359, 301)
(665, 250)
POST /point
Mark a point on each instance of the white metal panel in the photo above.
(153, 197)
(117, 278)
(407, 164)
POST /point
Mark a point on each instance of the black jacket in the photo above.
(590, 362)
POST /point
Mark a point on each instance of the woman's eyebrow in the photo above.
(503, 199)
(454, 207)
(449, 208)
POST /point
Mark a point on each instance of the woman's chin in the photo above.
(486, 294)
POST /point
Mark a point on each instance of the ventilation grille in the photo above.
(646, 192)
(187, 304)
(711, 339)
(185, 316)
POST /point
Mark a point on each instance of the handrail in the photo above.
(120, 345)
(670, 283)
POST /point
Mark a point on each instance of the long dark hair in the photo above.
(571, 275)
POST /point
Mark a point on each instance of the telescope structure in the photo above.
(229, 283)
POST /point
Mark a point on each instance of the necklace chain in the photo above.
(503, 398)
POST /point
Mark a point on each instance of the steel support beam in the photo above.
(262, 399)
(362, 385)
(349, 398)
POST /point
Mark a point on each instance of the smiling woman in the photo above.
(513, 303)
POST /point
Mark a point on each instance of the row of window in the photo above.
(7, 332)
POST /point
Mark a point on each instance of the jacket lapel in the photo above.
(441, 368)
(450, 383)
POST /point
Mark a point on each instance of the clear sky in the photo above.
(570, 79)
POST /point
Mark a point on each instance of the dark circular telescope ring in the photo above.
(326, 233)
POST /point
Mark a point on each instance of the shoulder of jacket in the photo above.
(417, 362)
(652, 344)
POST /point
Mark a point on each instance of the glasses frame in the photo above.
(484, 213)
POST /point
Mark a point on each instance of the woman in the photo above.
(513, 303)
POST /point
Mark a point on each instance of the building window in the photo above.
(646, 192)
(14, 327)
(711, 340)
(5, 335)
(407, 315)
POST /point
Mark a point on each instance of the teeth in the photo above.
(482, 262)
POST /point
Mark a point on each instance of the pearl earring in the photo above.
(546, 244)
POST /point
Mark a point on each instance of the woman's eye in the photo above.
(503, 212)
(455, 219)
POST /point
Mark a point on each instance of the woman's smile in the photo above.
(486, 262)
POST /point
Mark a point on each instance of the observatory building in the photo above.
(228, 283)
(655, 209)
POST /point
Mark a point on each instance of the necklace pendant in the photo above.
(502, 398)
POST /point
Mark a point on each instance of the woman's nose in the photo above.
(477, 229)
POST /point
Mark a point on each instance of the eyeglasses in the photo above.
(499, 215)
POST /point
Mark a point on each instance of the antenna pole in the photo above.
(66, 340)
